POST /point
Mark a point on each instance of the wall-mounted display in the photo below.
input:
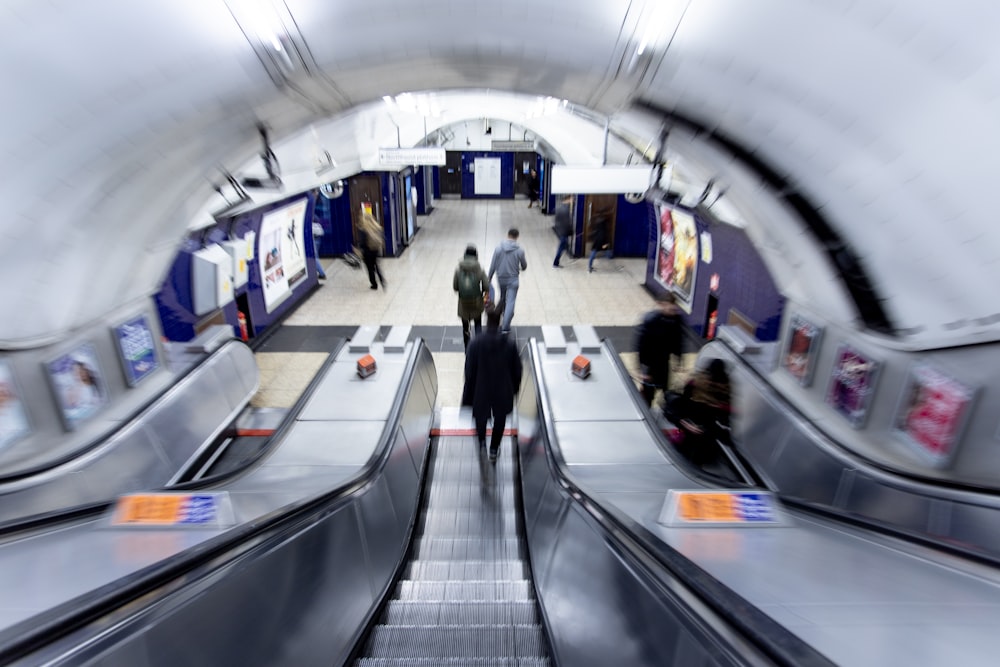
(677, 254)
(137, 349)
(852, 384)
(932, 413)
(800, 351)
(78, 383)
(281, 252)
(13, 417)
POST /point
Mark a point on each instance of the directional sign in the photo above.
(163, 509)
(720, 507)
(398, 157)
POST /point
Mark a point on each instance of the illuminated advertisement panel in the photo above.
(852, 384)
(13, 417)
(137, 349)
(932, 413)
(677, 254)
(800, 351)
(281, 252)
(78, 383)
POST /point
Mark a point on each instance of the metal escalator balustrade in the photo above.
(466, 596)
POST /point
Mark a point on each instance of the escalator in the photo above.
(466, 595)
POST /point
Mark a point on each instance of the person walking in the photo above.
(492, 376)
(372, 240)
(533, 188)
(563, 228)
(472, 285)
(317, 234)
(658, 337)
(507, 263)
(599, 238)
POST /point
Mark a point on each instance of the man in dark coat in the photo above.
(563, 227)
(492, 377)
(658, 336)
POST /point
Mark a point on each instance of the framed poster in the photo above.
(13, 417)
(78, 383)
(852, 384)
(677, 254)
(136, 348)
(281, 252)
(932, 413)
(800, 351)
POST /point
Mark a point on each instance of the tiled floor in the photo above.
(420, 294)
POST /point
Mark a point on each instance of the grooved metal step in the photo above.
(464, 590)
(403, 612)
(465, 598)
(454, 662)
(456, 641)
(465, 570)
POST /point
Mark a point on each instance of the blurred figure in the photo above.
(658, 336)
(533, 187)
(702, 412)
(508, 262)
(472, 285)
(317, 235)
(600, 237)
(372, 240)
(563, 227)
(492, 377)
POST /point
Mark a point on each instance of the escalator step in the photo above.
(456, 641)
(456, 662)
(468, 522)
(459, 570)
(426, 591)
(447, 548)
(400, 612)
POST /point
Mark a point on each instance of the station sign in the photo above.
(721, 508)
(173, 509)
(402, 157)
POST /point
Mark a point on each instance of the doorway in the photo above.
(594, 205)
(366, 195)
(451, 174)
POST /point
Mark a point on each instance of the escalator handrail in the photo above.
(79, 512)
(126, 423)
(771, 638)
(153, 581)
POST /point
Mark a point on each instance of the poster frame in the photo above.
(133, 376)
(87, 351)
(908, 399)
(855, 412)
(797, 322)
(9, 437)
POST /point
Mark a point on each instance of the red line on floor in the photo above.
(251, 432)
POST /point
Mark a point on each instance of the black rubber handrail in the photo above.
(153, 582)
(763, 632)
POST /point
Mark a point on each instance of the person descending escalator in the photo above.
(701, 413)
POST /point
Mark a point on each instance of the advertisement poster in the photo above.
(78, 383)
(852, 384)
(281, 252)
(677, 254)
(137, 349)
(800, 352)
(13, 418)
(932, 413)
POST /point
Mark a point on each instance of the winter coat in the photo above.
(659, 336)
(492, 374)
(470, 309)
(508, 261)
(563, 224)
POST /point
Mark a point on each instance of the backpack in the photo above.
(468, 285)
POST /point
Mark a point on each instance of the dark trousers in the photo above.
(499, 421)
(371, 263)
(563, 247)
(467, 328)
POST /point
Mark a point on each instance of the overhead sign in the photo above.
(399, 157)
(508, 145)
(720, 508)
(181, 510)
(600, 180)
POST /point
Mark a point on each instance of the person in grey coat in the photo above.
(492, 377)
(508, 262)
(472, 286)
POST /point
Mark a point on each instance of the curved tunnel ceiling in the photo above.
(882, 114)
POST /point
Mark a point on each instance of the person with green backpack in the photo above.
(472, 286)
